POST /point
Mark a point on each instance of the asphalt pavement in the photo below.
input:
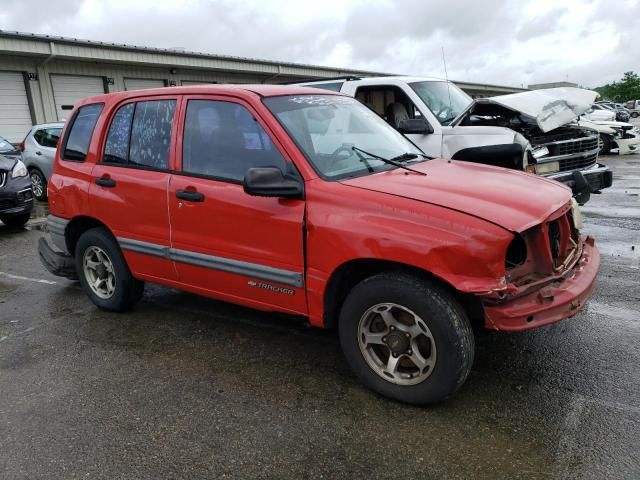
(185, 387)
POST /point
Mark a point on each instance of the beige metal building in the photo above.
(42, 77)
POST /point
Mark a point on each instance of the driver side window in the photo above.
(388, 101)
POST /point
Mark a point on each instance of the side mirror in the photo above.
(271, 182)
(417, 126)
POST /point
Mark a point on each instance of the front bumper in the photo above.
(629, 145)
(556, 301)
(16, 202)
(584, 183)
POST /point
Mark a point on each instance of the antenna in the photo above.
(446, 77)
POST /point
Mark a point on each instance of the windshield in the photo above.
(5, 146)
(445, 100)
(328, 127)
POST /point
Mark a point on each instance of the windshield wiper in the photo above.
(395, 161)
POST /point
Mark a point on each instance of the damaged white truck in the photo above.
(532, 131)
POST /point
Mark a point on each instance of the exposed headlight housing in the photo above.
(547, 167)
(19, 170)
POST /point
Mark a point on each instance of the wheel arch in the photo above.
(77, 226)
(349, 274)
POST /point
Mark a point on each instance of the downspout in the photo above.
(52, 55)
(273, 77)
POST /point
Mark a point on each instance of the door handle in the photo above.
(190, 195)
(106, 182)
(38, 152)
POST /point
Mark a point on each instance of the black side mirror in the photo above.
(417, 126)
(271, 182)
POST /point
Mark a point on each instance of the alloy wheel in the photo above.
(98, 271)
(396, 344)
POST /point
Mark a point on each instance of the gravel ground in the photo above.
(185, 387)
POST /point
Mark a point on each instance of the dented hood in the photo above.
(513, 200)
(551, 107)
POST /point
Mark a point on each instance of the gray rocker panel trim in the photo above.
(238, 267)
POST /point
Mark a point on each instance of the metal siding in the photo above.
(142, 83)
(15, 115)
(69, 89)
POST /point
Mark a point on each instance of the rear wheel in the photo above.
(103, 272)
(38, 184)
(406, 338)
(635, 114)
(15, 220)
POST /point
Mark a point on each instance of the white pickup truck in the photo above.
(530, 131)
(634, 107)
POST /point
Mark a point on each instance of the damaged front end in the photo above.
(550, 274)
(559, 148)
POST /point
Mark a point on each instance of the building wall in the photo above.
(40, 91)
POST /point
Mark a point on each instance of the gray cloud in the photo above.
(493, 41)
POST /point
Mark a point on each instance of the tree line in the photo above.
(624, 90)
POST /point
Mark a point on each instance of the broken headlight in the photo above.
(547, 167)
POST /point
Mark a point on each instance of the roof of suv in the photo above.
(243, 90)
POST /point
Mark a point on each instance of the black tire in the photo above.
(37, 176)
(635, 114)
(605, 144)
(15, 220)
(128, 290)
(444, 317)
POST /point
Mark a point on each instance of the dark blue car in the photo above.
(16, 197)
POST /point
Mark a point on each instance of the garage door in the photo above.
(70, 89)
(15, 116)
(195, 82)
(142, 83)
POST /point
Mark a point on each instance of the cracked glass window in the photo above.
(151, 134)
(117, 148)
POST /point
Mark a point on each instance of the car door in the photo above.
(129, 190)
(225, 242)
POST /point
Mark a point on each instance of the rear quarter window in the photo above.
(79, 136)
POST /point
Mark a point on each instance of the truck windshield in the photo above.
(445, 100)
(328, 127)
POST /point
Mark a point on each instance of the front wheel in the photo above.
(104, 273)
(406, 338)
(605, 144)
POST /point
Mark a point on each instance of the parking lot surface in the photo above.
(185, 387)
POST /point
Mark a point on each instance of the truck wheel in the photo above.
(605, 144)
(38, 184)
(15, 220)
(406, 338)
(103, 272)
(634, 114)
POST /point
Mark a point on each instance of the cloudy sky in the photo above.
(495, 41)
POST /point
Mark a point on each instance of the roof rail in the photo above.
(346, 78)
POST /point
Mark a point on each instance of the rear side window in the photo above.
(48, 137)
(223, 140)
(79, 137)
(140, 134)
(117, 148)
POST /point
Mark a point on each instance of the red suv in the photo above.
(304, 201)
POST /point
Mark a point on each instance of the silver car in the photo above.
(38, 150)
